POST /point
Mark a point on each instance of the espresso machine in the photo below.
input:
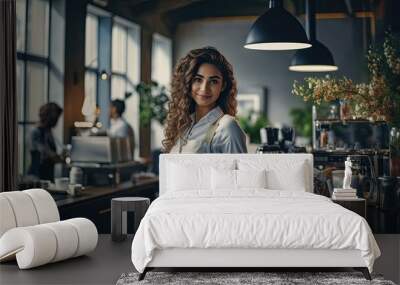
(273, 143)
(269, 141)
(104, 160)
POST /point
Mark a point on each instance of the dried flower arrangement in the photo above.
(326, 89)
(378, 100)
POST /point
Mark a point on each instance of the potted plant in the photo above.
(251, 125)
(302, 122)
(153, 101)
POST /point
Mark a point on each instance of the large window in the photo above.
(40, 67)
(161, 72)
(112, 53)
(33, 49)
(125, 58)
(125, 66)
(91, 65)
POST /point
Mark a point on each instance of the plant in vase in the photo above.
(302, 121)
(379, 99)
(251, 125)
(153, 102)
(382, 94)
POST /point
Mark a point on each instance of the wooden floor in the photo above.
(103, 266)
(110, 259)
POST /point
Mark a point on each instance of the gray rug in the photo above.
(242, 278)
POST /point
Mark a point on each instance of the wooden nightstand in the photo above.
(357, 205)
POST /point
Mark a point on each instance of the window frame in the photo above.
(94, 70)
(25, 57)
(117, 21)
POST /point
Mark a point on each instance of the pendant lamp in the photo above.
(276, 29)
(317, 58)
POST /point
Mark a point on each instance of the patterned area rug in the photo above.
(230, 278)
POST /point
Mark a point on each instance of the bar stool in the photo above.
(119, 208)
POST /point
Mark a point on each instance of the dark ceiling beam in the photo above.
(214, 9)
(174, 12)
(159, 7)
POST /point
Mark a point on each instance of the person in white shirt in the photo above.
(202, 109)
(119, 127)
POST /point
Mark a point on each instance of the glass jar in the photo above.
(333, 112)
(323, 139)
(345, 110)
(394, 151)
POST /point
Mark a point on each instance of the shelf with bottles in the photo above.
(339, 112)
(334, 129)
(344, 122)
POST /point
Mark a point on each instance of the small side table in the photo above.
(357, 205)
(119, 208)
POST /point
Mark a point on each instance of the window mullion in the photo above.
(49, 52)
(24, 128)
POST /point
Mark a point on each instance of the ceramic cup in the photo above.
(74, 189)
(62, 183)
(45, 184)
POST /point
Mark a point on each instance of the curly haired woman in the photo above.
(201, 117)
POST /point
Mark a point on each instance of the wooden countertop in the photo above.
(94, 192)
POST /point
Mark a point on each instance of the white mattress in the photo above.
(252, 219)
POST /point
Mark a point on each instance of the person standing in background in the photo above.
(119, 127)
(43, 148)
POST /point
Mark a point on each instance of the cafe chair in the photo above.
(31, 231)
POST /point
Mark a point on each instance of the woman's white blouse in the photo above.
(228, 138)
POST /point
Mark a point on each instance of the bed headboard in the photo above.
(284, 160)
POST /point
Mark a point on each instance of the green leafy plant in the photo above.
(251, 125)
(302, 120)
(153, 102)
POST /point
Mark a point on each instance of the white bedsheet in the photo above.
(253, 218)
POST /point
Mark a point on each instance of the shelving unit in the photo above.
(326, 123)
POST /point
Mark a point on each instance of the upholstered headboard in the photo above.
(284, 163)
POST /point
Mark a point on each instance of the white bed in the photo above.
(202, 220)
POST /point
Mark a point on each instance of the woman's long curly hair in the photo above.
(182, 104)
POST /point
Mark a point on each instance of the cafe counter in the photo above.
(95, 202)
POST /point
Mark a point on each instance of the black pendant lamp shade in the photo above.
(277, 29)
(317, 58)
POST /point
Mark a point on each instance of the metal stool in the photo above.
(119, 209)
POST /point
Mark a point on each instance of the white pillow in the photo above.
(280, 174)
(222, 179)
(192, 176)
(251, 178)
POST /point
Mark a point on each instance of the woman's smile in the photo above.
(204, 96)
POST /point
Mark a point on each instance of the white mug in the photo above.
(74, 189)
(62, 183)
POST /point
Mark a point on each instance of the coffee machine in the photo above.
(272, 144)
(269, 141)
